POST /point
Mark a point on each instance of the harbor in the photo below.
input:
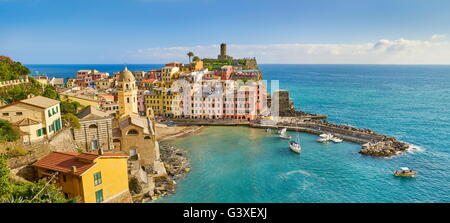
(372, 143)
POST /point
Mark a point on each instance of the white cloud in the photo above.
(401, 51)
(438, 36)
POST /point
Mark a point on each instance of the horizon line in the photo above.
(257, 64)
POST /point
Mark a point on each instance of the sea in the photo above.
(239, 164)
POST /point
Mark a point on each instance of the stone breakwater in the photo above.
(373, 143)
(177, 166)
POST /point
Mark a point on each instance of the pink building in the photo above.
(224, 100)
(141, 102)
(89, 77)
(225, 72)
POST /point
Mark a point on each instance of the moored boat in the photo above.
(295, 147)
(284, 136)
(336, 140)
(282, 131)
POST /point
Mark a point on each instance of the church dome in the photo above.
(126, 76)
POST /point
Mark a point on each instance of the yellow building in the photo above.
(91, 177)
(84, 100)
(169, 73)
(127, 93)
(164, 102)
(103, 84)
(38, 117)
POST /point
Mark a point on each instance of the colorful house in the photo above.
(38, 117)
(92, 177)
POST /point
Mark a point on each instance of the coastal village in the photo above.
(99, 137)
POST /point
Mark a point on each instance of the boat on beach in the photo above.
(295, 147)
(405, 172)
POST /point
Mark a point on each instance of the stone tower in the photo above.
(127, 93)
(223, 53)
(223, 49)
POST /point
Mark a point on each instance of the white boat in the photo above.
(295, 147)
(323, 140)
(323, 135)
(284, 136)
(268, 130)
(336, 140)
(282, 131)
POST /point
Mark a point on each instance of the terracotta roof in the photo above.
(148, 80)
(26, 122)
(63, 161)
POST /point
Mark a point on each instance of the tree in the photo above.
(8, 132)
(27, 192)
(69, 107)
(190, 54)
(196, 58)
(72, 120)
(5, 187)
(10, 70)
(50, 92)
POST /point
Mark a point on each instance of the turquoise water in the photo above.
(411, 103)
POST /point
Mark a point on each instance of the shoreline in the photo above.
(178, 131)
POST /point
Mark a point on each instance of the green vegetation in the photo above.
(72, 119)
(190, 54)
(8, 133)
(70, 107)
(196, 58)
(10, 70)
(215, 64)
(27, 192)
(21, 91)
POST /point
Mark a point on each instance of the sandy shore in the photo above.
(164, 133)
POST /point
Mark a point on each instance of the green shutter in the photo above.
(97, 178)
(49, 113)
(99, 196)
(39, 132)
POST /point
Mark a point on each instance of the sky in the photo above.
(273, 31)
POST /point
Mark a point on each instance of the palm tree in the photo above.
(190, 54)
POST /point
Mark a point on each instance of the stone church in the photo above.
(132, 134)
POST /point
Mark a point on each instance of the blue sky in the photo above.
(274, 31)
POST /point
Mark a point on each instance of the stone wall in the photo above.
(62, 142)
(99, 129)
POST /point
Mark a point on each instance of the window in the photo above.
(97, 178)
(132, 132)
(5, 114)
(93, 126)
(19, 113)
(49, 113)
(39, 132)
(99, 196)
